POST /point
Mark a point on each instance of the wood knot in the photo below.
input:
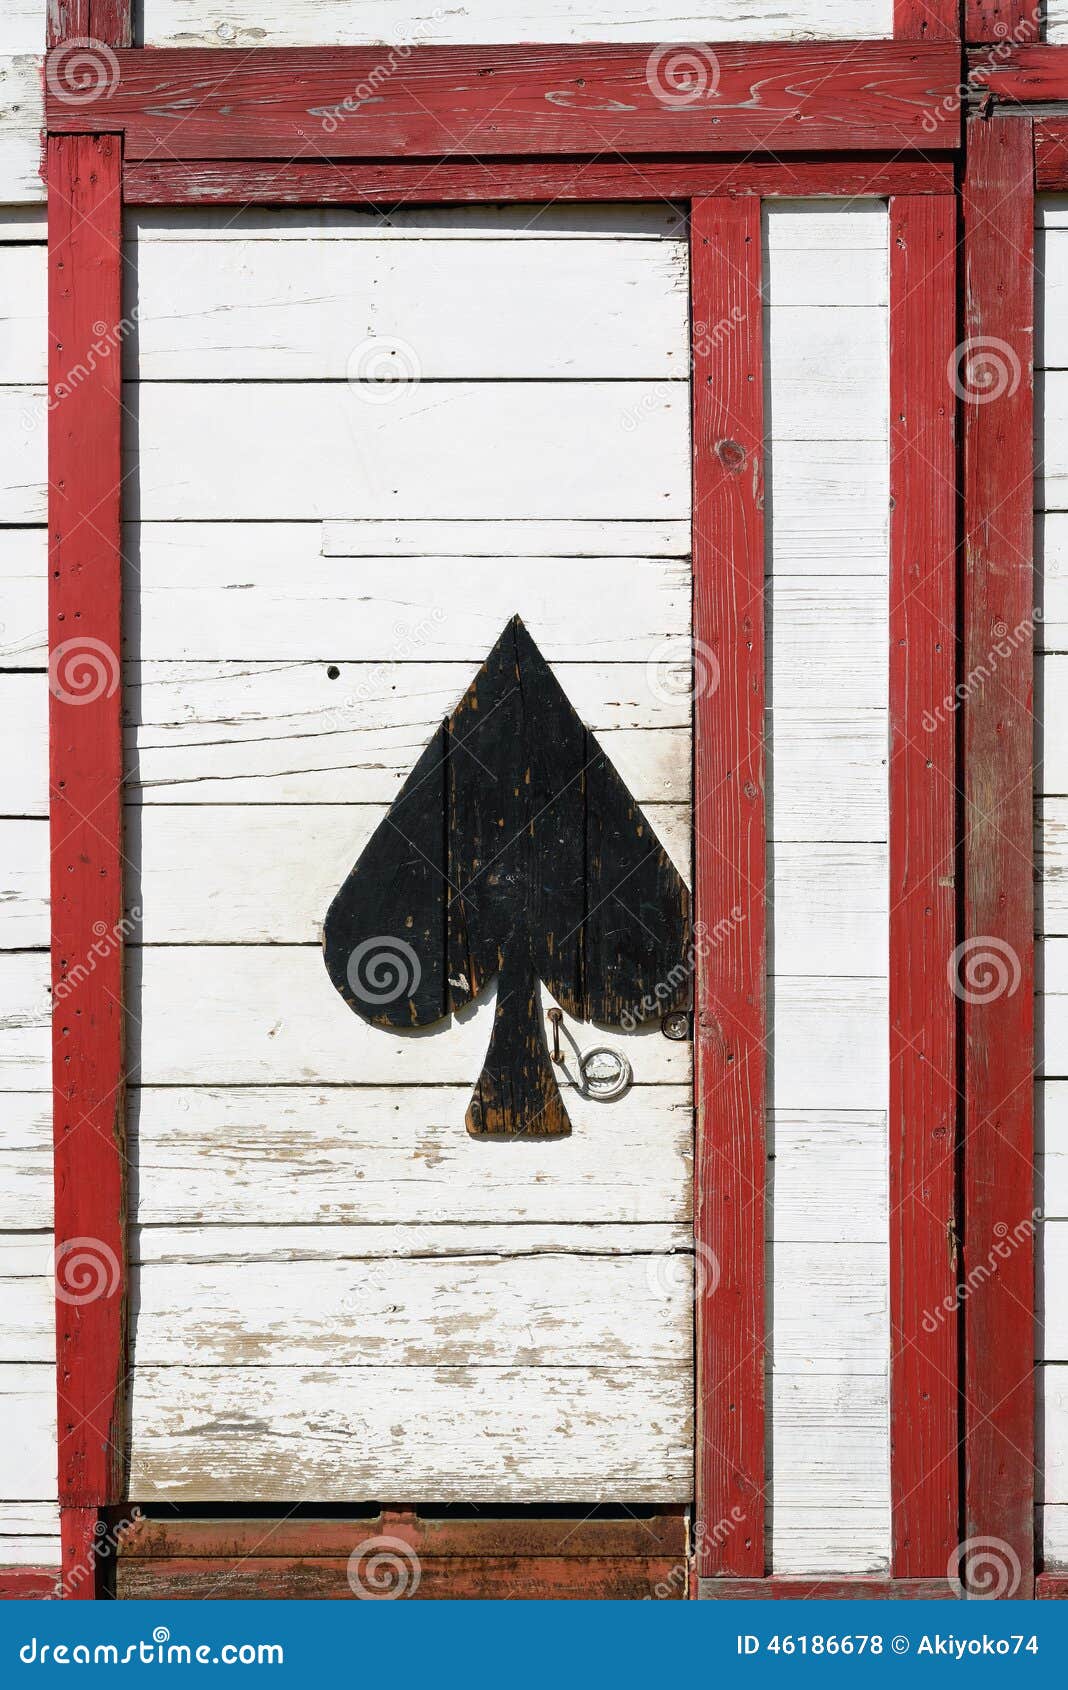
(731, 454)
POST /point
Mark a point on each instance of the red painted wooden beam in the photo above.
(1021, 75)
(378, 102)
(923, 1079)
(1002, 20)
(926, 20)
(994, 969)
(730, 856)
(445, 181)
(1051, 154)
(84, 360)
(23, 1584)
(109, 22)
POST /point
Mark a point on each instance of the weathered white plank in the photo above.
(827, 373)
(1052, 1391)
(25, 1161)
(1051, 440)
(21, 123)
(23, 223)
(29, 1534)
(1053, 1305)
(1051, 865)
(304, 1154)
(830, 1307)
(25, 1022)
(27, 1298)
(28, 1446)
(282, 450)
(1051, 1128)
(268, 310)
(828, 908)
(828, 1049)
(23, 299)
(22, 450)
(1051, 1007)
(288, 733)
(819, 253)
(827, 1177)
(828, 504)
(182, 23)
(264, 874)
(22, 26)
(1051, 567)
(829, 1473)
(480, 1312)
(610, 221)
(828, 637)
(1051, 719)
(827, 775)
(268, 1014)
(523, 1434)
(23, 595)
(24, 864)
(1052, 1526)
(263, 590)
(24, 744)
(398, 538)
(249, 1246)
(1056, 22)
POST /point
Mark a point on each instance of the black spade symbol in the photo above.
(512, 849)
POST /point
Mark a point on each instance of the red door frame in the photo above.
(871, 99)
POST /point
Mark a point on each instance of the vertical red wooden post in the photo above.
(107, 21)
(1018, 21)
(730, 852)
(84, 402)
(995, 968)
(923, 1010)
(926, 20)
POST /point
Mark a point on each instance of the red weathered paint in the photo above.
(84, 358)
(66, 20)
(1051, 1587)
(926, 20)
(287, 104)
(730, 851)
(998, 21)
(923, 1080)
(23, 1584)
(998, 587)
(445, 181)
(829, 1589)
(1021, 74)
(1051, 154)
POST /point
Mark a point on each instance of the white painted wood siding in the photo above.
(314, 572)
(827, 602)
(1051, 867)
(300, 23)
(29, 1516)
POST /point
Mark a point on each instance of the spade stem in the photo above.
(517, 1095)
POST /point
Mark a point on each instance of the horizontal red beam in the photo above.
(382, 102)
(1021, 75)
(23, 1584)
(232, 182)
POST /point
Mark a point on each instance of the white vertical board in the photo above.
(308, 592)
(29, 1515)
(1051, 832)
(828, 1269)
